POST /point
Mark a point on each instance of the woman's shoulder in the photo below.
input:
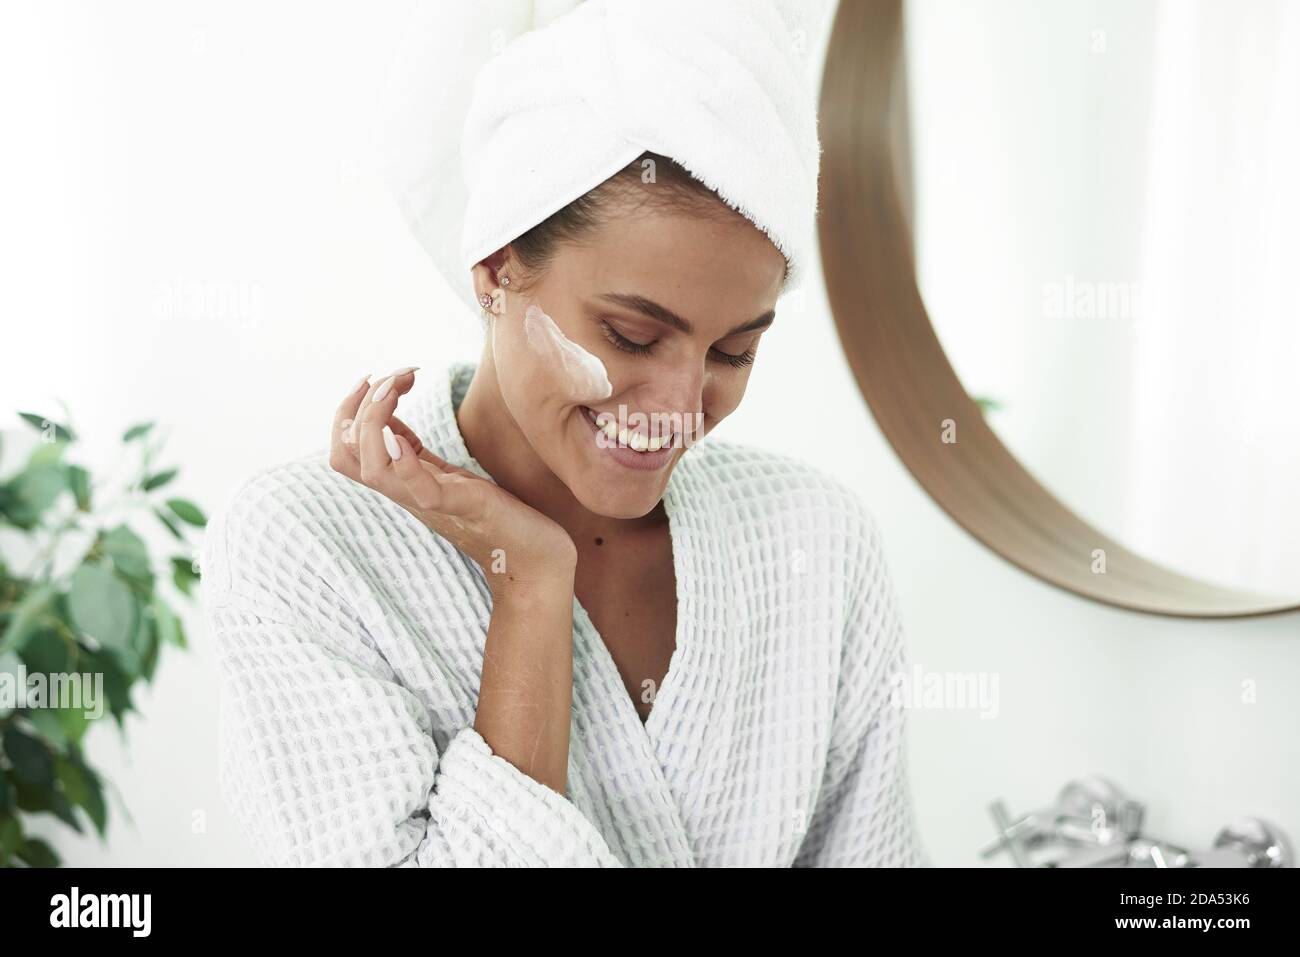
(287, 520)
(290, 491)
(284, 504)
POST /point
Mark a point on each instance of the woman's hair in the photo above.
(649, 180)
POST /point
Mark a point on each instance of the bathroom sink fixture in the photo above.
(1094, 824)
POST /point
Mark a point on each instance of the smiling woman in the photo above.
(506, 631)
(660, 281)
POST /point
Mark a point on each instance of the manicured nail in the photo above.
(390, 443)
(365, 380)
(382, 391)
(406, 370)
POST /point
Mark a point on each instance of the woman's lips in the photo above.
(622, 446)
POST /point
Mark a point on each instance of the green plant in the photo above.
(88, 611)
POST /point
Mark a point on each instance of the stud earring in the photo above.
(505, 280)
(485, 300)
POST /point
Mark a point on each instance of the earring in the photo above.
(505, 280)
(485, 300)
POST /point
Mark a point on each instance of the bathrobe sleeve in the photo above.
(863, 815)
(327, 759)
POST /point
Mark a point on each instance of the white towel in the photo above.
(499, 113)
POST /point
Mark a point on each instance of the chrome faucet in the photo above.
(1093, 824)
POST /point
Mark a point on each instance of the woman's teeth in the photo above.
(636, 441)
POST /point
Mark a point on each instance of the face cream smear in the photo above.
(583, 370)
(539, 360)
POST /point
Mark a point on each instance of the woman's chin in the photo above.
(615, 500)
(603, 482)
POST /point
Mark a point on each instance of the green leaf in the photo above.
(43, 425)
(7, 797)
(11, 834)
(144, 645)
(159, 480)
(136, 431)
(73, 781)
(171, 526)
(47, 724)
(117, 684)
(47, 653)
(30, 758)
(61, 809)
(29, 798)
(187, 511)
(32, 491)
(24, 620)
(183, 574)
(94, 805)
(102, 606)
(10, 666)
(47, 453)
(129, 554)
(74, 722)
(79, 481)
(38, 854)
(169, 625)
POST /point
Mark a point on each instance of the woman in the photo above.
(536, 623)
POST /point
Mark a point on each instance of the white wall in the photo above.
(199, 238)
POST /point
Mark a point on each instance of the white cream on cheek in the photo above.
(539, 366)
(583, 375)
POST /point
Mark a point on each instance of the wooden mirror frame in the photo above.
(900, 366)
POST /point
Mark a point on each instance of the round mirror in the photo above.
(1058, 242)
(1105, 209)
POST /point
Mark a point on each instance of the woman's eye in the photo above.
(734, 360)
(620, 341)
(623, 342)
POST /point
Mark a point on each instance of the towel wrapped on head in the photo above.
(571, 94)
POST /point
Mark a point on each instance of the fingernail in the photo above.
(382, 391)
(365, 380)
(406, 370)
(390, 443)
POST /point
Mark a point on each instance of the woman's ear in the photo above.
(487, 290)
(489, 274)
(485, 283)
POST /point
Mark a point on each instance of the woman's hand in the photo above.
(515, 545)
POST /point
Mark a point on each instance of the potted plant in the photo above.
(84, 616)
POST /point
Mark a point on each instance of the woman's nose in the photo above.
(678, 388)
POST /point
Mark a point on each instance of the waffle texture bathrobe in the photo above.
(350, 640)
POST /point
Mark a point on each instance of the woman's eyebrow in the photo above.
(652, 309)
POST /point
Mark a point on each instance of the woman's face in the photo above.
(672, 304)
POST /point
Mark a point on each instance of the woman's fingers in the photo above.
(421, 486)
(349, 437)
(371, 417)
(340, 452)
(442, 465)
(345, 432)
(430, 489)
(372, 445)
(401, 428)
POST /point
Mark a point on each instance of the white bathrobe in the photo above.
(350, 644)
